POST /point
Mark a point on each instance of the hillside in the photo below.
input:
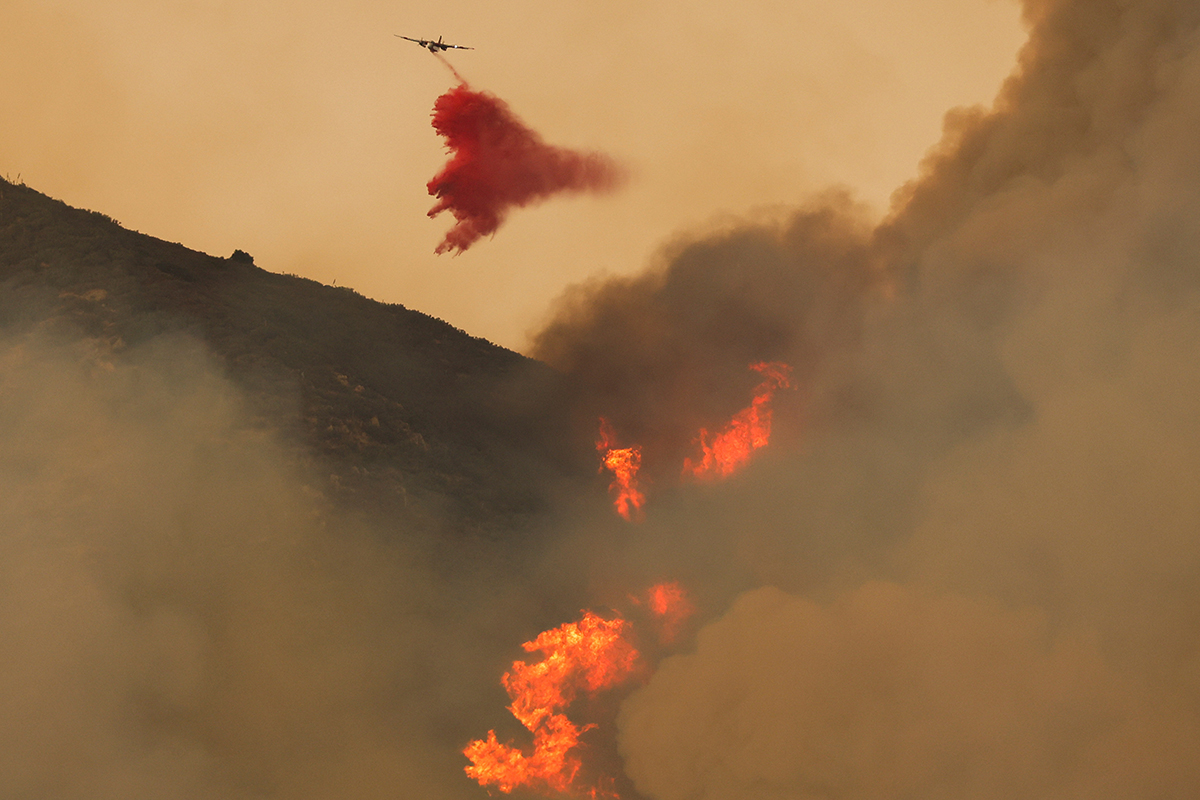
(404, 413)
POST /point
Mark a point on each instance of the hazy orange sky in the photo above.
(299, 131)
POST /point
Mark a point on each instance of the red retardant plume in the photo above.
(498, 163)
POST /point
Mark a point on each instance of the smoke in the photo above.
(890, 692)
(981, 516)
(666, 353)
(186, 617)
(498, 163)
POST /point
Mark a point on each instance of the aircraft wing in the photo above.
(439, 44)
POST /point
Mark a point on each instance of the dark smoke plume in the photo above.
(498, 163)
(974, 572)
(666, 353)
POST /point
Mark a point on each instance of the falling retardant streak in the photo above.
(497, 163)
(449, 66)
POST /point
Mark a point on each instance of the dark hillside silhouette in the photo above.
(404, 413)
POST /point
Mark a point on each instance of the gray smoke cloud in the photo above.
(186, 617)
(893, 692)
(981, 527)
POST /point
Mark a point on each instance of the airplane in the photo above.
(433, 47)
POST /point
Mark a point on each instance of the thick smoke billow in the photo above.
(892, 692)
(184, 617)
(666, 353)
(982, 525)
(498, 164)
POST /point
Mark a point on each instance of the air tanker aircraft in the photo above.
(433, 47)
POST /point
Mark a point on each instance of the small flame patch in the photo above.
(624, 464)
(726, 452)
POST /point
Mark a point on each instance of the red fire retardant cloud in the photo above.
(498, 163)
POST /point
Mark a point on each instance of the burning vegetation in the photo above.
(589, 655)
(623, 463)
(750, 429)
(722, 454)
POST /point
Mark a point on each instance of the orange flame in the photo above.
(624, 464)
(749, 430)
(669, 602)
(591, 654)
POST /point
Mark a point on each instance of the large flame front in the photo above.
(591, 654)
(749, 430)
(624, 464)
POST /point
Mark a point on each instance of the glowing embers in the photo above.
(591, 654)
(750, 429)
(671, 607)
(624, 464)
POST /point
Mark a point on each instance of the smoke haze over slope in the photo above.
(185, 616)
